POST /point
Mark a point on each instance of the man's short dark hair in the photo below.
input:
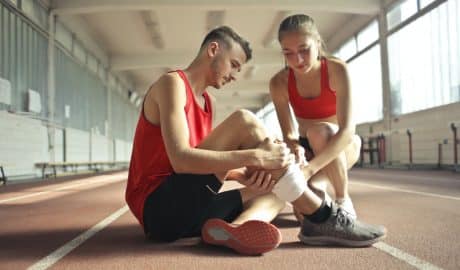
(225, 35)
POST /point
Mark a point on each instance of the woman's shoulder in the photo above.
(338, 74)
(280, 78)
(336, 66)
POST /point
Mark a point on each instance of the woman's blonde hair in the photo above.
(303, 24)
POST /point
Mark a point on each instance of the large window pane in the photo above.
(424, 3)
(424, 61)
(348, 49)
(368, 35)
(401, 12)
(64, 36)
(35, 12)
(366, 82)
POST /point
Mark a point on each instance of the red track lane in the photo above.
(423, 226)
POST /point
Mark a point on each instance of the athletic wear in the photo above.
(313, 108)
(308, 150)
(253, 237)
(183, 203)
(340, 229)
(150, 164)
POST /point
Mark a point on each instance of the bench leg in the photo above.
(3, 175)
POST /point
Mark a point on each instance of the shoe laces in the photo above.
(343, 217)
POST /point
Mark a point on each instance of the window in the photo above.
(36, 12)
(401, 12)
(348, 49)
(366, 82)
(368, 35)
(64, 36)
(424, 3)
(424, 59)
(79, 52)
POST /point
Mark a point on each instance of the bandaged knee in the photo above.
(291, 185)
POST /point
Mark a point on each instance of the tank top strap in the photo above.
(188, 88)
(324, 75)
(292, 87)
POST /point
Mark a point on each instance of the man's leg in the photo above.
(242, 130)
(323, 223)
(251, 232)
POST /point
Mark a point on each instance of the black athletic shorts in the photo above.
(306, 145)
(183, 202)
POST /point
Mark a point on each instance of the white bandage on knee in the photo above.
(291, 185)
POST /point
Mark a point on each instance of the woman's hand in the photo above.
(299, 152)
(274, 154)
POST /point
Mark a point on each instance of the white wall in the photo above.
(23, 142)
(122, 150)
(429, 128)
(99, 148)
(77, 145)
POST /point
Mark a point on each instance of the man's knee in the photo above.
(246, 117)
(291, 185)
(247, 122)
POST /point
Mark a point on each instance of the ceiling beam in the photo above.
(214, 18)
(152, 24)
(174, 59)
(272, 35)
(92, 6)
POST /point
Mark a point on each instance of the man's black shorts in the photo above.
(183, 202)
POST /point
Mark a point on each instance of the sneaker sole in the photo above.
(251, 238)
(331, 241)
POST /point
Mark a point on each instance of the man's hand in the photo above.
(259, 181)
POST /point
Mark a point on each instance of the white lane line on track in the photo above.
(59, 253)
(58, 189)
(406, 191)
(405, 257)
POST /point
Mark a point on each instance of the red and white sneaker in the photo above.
(253, 237)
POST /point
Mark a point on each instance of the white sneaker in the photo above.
(347, 205)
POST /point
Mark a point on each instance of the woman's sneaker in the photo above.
(340, 229)
(347, 205)
(250, 238)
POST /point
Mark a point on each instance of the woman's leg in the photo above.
(337, 171)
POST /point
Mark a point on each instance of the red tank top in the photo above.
(313, 108)
(150, 164)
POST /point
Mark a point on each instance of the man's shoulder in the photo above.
(168, 83)
(169, 80)
(165, 89)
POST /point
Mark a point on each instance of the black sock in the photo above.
(320, 215)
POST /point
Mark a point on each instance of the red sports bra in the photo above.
(322, 106)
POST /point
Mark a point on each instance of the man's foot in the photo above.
(250, 238)
(347, 205)
(340, 229)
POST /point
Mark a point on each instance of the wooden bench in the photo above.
(93, 166)
(2, 175)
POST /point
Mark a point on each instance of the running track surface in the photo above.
(83, 223)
